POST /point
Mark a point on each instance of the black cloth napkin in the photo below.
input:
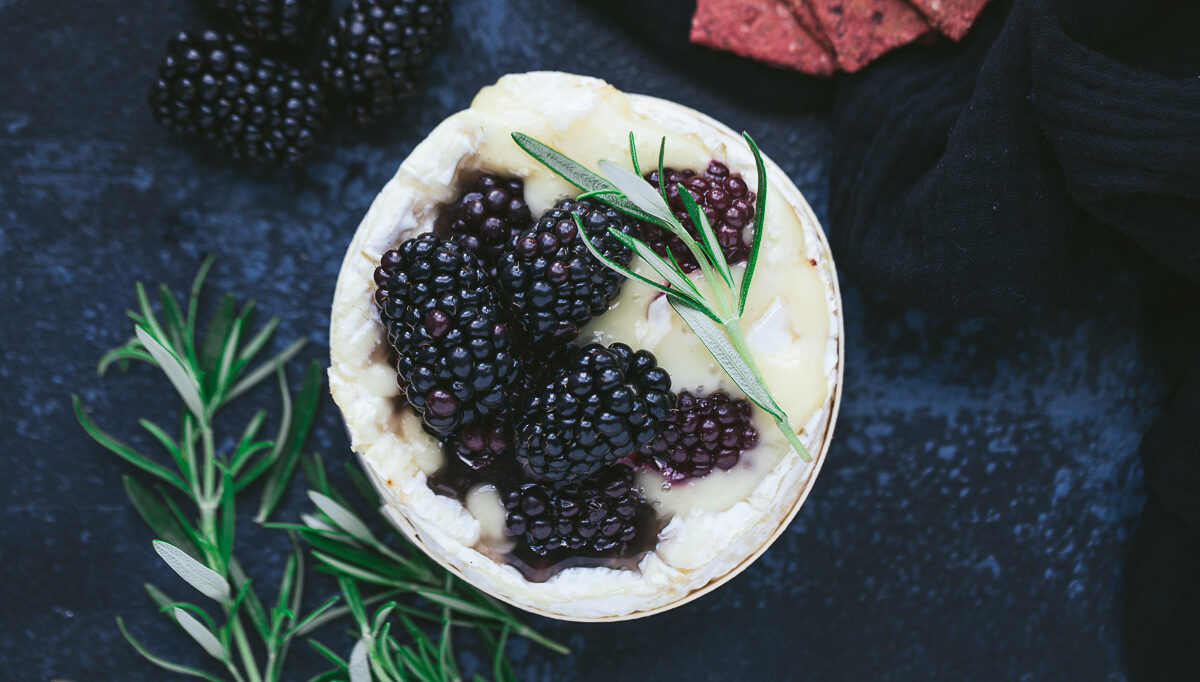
(965, 180)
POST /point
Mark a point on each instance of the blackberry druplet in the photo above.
(454, 345)
(601, 517)
(284, 23)
(551, 282)
(704, 433)
(212, 87)
(377, 51)
(727, 203)
(488, 215)
(604, 404)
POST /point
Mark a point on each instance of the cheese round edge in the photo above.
(392, 448)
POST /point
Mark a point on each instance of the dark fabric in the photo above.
(966, 179)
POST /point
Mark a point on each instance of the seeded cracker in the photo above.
(951, 17)
(765, 30)
(861, 30)
(807, 17)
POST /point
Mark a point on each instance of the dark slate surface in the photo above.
(970, 522)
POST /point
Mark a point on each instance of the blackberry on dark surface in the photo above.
(454, 346)
(550, 280)
(285, 23)
(603, 517)
(490, 212)
(377, 51)
(705, 432)
(213, 87)
(604, 404)
(727, 203)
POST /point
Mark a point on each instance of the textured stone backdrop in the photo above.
(970, 522)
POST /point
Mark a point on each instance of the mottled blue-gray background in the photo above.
(970, 522)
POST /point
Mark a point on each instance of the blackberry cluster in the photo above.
(550, 280)
(487, 216)
(599, 517)
(454, 345)
(287, 23)
(604, 404)
(726, 201)
(703, 433)
(377, 51)
(213, 87)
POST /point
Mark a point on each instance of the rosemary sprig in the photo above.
(713, 314)
(343, 545)
(207, 376)
(250, 640)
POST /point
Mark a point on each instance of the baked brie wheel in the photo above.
(704, 529)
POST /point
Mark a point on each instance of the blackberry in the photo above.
(727, 202)
(468, 464)
(486, 217)
(550, 280)
(480, 445)
(604, 404)
(286, 23)
(454, 346)
(213, 87)
(703, 433)
(378, 49)
(604, 516)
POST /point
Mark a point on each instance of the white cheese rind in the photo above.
(700, 547)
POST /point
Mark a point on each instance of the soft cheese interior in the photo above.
(791, 321)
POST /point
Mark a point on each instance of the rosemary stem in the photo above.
(243, 645)
(233, 670)
(276, 658)
(271, 674)
(210, 469)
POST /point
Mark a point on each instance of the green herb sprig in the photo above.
(373, 572)
(207, 376)
(344, 547)
(713, 314)
(249, 638)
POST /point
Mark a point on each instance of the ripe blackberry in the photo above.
(727, 202)
(286, 23)
(703, 433)
(486, 217)
(378, 49)
(602, 517)
(604, 404)
(550, 280)
(460, 473)
(454, 346)
(480, 445)
(215, 88)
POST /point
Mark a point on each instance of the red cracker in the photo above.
(807, 17)
(951, 17)
(764, 30)
(861, 30)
